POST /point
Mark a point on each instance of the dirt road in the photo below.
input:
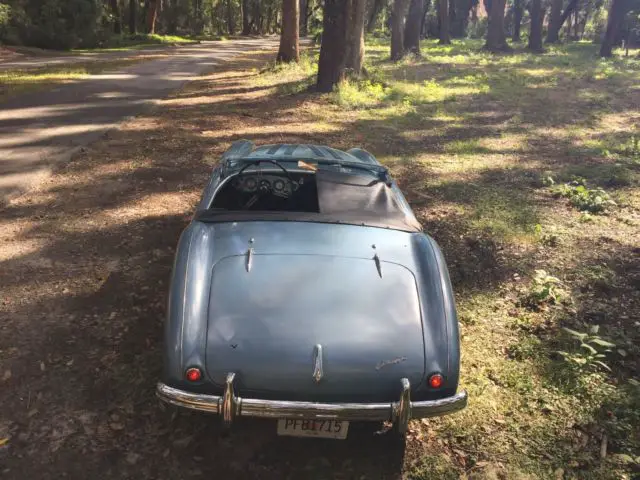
(40, 129)
(10, 60)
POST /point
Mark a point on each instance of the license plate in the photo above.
(313, 428)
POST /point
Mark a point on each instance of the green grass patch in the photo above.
(290, 78)
(119, 43)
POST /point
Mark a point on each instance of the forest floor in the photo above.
(485, 147)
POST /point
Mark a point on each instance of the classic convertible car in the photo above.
(305, 291)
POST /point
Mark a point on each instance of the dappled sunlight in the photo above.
(25, 248)
(40, 134)
(481, 145)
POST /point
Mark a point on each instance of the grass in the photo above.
(119, 43)
(471, 136)
(17, 82)
(289, 78)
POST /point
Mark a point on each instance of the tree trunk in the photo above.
(518, 12)
(334, 34)
(535, 31)
(616, 16)
(246, 19)
(398, 17)
(423, 22)
(267, 28)
(496, 39)
(304, 21)
(554, 21)
(563, 18)
(376, 8)
(289, 50)
(133, 23)
(354, 51)
(231, 23)
(117, 20)
(413, 27)
(152, 15)
(583, 22)
(459, 17)
(443, 22)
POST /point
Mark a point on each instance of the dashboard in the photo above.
(278, 185)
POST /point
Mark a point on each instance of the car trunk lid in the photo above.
(268, 313)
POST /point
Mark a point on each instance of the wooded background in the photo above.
(64, 24)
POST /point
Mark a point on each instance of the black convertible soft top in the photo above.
(346, 198)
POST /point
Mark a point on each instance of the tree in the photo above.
(133, 23)
(554, 28)
(246, 23)
(152, 15)
(554, 21)
(289, 49)
(376, 9)
(535, 30)
(617, 11)
(518, 12)
(443, 21)
(354, 54)
(496, 39)
(459, 11)
(425, 24)
(334, 32)
(413, 27)
(117, 20)
(304, 19)
(231, 21)
(398, 17)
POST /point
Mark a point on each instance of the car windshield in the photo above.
(299, 190)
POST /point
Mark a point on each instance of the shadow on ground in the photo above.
(85, 263)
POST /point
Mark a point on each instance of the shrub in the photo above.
(5, 14)
(58, 24)
(545, 290)
(592, 350)
(591, 200)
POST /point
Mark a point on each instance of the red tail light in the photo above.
(193, 374)
(435, 380)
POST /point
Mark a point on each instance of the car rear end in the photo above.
(311, 324)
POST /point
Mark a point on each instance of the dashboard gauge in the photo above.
(278, 185)
(250, 184)
(265, 186)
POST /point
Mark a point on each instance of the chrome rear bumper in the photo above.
(230, 406)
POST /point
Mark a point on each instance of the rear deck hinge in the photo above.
(249, 259)
(376, 259)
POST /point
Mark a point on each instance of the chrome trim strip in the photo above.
(250, 407)
(249, 261)
(317, 363)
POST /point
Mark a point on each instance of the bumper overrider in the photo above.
(229, 406)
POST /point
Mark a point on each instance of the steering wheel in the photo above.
(258, 162)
